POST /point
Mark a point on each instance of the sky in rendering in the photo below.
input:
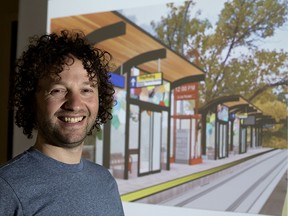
(210, 9)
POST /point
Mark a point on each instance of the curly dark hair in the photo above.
(46, 55)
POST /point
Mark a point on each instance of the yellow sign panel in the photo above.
(149, 79)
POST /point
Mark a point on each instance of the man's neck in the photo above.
(64, 155)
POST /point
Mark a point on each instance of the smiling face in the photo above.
(67, 107)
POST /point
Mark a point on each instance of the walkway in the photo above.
(181, 170)
(177, 171)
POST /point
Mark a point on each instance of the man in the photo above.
(62, 89)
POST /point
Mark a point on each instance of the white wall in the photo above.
(32, 19)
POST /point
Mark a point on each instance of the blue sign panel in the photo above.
(117, 80)
(133, 82)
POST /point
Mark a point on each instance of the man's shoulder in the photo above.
(97, 168)
(91, 165)
(15, 165)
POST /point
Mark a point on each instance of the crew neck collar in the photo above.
(51, 163)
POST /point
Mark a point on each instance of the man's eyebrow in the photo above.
(91, 83)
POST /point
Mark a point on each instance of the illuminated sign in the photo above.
(152, 79)
(250, 120)
(222, 112)
(117, 80)
(186, 92)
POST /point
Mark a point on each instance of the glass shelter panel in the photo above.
(243, 140)
(156, 141)
(248, 138)
(222, 141)
(210, 135)
(93, 146)
(145, 141)
(164, 139)
(186, 107)
(150, 142)
(236, 136)
(133, 140)
(182, 141)
(117, 135)
(194, 149)
(134, 127)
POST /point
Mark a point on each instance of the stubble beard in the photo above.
(54, 135)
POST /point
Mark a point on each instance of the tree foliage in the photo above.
(275, 137)
(178, 29)
(269, 103)
(229, 52)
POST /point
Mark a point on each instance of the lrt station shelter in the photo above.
(157, 119)
(231, 125)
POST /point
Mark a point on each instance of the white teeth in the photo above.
(73, 119)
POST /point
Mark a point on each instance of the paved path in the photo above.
(245, 190)
(276, 194)
(177, 171)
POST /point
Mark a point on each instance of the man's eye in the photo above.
(88, 90)
(56, 92)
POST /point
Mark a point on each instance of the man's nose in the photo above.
(73, 101)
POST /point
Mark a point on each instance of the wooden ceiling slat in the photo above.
(133, 43)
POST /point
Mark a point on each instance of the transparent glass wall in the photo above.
(222, 140)
(210, 135)
(194, 149)
(248, 139)
(99, 146)
(236, 136)
(150, 141)
(134, 127)
(198, 148)
(156, 148)
(183, 141)
(133, 140)
(164, 139)
(93, 147)
(210, 130)
(146, 118)
(117, 135)
(254, 137)
(229, 135)
(172, 122)
(243, 140)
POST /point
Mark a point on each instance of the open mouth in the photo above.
(71, 119)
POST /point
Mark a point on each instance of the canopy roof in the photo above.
(235, 103)
(125, 41)
(242, 105)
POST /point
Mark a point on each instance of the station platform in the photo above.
(177, 171)
(180, 170)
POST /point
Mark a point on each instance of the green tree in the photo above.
(269, 103)
(274, 106)
(228, 52)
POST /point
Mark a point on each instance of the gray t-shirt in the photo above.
(34, 184)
